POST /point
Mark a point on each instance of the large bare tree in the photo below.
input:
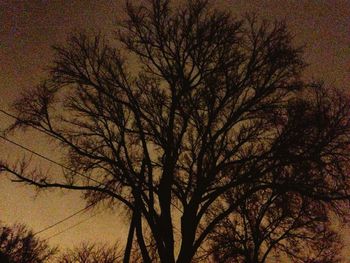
(208, 106)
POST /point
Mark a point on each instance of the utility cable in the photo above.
(56, 163)
(64, 219)
(31, 125)
(47, 158)
(52, 161)
(40, 155)
(75, 225)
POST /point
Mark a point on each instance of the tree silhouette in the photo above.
(19, 245)
(92, 253)
(209, 107)
(280, 226)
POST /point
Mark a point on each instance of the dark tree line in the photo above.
(92, 253)
(19, 245)
(209, 136)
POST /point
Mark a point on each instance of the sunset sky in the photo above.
(29, 27)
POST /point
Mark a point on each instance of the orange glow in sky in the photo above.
(29, 28)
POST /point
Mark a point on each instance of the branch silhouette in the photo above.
(213, 123)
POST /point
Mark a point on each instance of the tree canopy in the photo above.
(201, 126)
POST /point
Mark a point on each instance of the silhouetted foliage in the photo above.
(211, 130)
(92, 253)
(280, 226)
(19, 245)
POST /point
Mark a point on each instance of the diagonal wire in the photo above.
(47, 158)
(29, 124)
(44, 157)
(56, 163)
(64, 219)
(72, 226)
(2, 136)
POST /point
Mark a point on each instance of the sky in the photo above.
(28, 29)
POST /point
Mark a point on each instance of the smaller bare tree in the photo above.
(19, 245)
(92, 253)
(281, 226)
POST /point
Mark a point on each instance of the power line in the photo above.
(48, 159)
(64, 219)
(75, 225)
(44, 157)
(63, 166)
(54, 162)
(40, 155)
(57, 163)
(31, 125)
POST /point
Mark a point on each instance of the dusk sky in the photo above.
(29, 28)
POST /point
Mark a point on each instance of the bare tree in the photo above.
(284, 221)
(92, 253)
(19, 245)
(272, 225)
(214, 106)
